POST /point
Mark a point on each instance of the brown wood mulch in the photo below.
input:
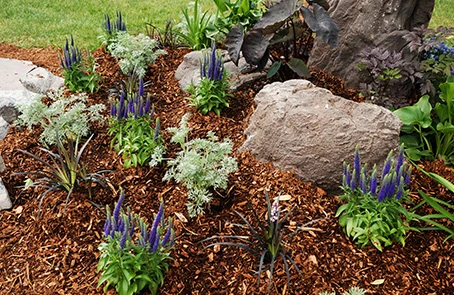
(57, 252)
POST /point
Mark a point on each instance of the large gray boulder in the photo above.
(367, 23)
(298, 126)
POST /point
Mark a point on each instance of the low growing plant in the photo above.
(79, 71)
(70, 115)
(202, 164)
(351, 291)
(211, 94)
(130, 127)
(373, 211)
(269, 243)
(194, 28)
(133, 262)
(111, 29)
(429, 131)
(65, 171)
(168, 37)
(134, 53)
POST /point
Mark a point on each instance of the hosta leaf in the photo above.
(446, 128)
(299, 67)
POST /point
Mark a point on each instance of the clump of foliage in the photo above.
(269, 245)
(351, 291)
(388, 71)
(133, 262)
(211, 93)
(168, 37)
(428, 127)
(435, 55)
(65, 171)
(134, 53)
(281, 26)
(79, 71)
(131, 128)
(70, 115)
(202, 164)
(195, 27)
(373, 212)
(443, 208)
(111, 29)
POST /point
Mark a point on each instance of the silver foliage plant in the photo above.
(134, 53)
(351, 291)
(70, 115)
(200, 165)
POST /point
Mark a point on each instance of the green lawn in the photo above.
(41, 23)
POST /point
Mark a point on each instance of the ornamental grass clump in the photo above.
(131, 128)
(267, 244)
(134, 258)
(373, 212)
(210, 94)
(79, 71)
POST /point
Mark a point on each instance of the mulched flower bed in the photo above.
(57, 252)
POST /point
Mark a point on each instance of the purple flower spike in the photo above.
(124, 232)
(408, 176)
(166, 238)
(108, 224)
(348, 176)
(116, 212)
(156, 242)
(131, 223)
(363, 180)
(384, 188)
(357, 166)
(154, 227)
(373, 181)
(141, 88)
(113, 109)
(400, 189)
(400, 158)
(147, 105)
(388, 164)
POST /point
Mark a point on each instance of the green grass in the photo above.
(443, 14)
(42, 23)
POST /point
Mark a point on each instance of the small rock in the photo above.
(40, 80)
(5, 202)
(3, 129)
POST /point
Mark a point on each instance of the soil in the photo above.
(57, 252)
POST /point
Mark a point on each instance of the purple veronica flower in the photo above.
(147, 105)
(387, 166)
(108, 224)
(357, 164)
(154, 227)
(347, 176)
(166, 238)
(373, 181)
(400, 189)
(124, 232)
(400, 158)
(156, 242)
(363, 180)
(408, 176)
(382, 194)
(116, 212)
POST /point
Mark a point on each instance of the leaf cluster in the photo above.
(200, 165)
(137, 141)
(65, 170)
(195, 28)
(70, 115)
(266, 243)
(281, 24)
(132, 262)
(428, 127)
(134, 53)
(351, 291)
(168, 37)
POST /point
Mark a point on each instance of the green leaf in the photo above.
(299, 67)
(445, 128)
(274, 69)
(418, 114)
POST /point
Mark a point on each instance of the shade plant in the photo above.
(267, 243)
(428, 130)
(195, 28)
(79, 71)
(201, 165)
(132, 261)
(211, 93)
(64, 171)
(281, 25)
(372, 211)
(130, 126)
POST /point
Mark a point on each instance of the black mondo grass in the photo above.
(65, 170)
(268, 245)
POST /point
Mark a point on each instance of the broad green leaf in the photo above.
(299, 67)
(446, 128)
(442, 112)
(419, 113)
(274, 69)
(447, 92)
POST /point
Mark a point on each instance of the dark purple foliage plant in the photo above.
(373, 211)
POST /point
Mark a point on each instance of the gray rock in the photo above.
(189, 71)
(5, 202)
(40, 80)
(3, 129)
(298, 126)
(2, 165)
(367, 23)
(10, 98)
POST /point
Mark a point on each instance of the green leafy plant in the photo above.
(130, 126)
(429, 131)
(79, 71)
(202, 164)
(351, 291)
(211, 94)
(70, 115)
(269, 246)
(110, 29)
(194, 28)
(168, 37)
(134, 53)
(373, 213)
(244, 12)
(440, 206)
(281, 25)
(65, 171)
(133, 262)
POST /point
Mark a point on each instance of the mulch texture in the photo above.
(57, 252)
